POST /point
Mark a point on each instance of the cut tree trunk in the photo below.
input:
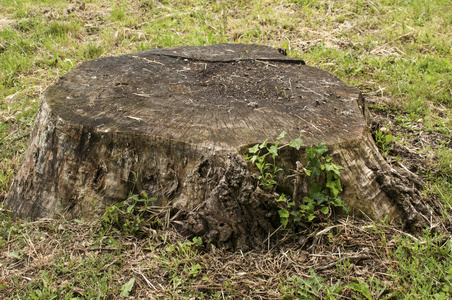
(182, 119)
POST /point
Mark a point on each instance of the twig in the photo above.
(266, 63)
(442, 195)
(27, 238)
(355, 257)
(135, 118)
(148, 60)
(300, 188)
(407, 234)
(291, 91)
(98, 249)
(308, 123)
(270, 235)
(327, 229)
(147, 281)
(312, 91)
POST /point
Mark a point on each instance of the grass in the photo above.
(397, 52)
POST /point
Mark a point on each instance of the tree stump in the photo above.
(182, 120)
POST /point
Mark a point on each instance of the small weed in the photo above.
(129, 216)
(127, 287)
(118, 13)
(90, 51)
(313, 287)
(443, 155)
(384, 141)
(316, 287)
(269, 170)
(343, 267)
(362, 288)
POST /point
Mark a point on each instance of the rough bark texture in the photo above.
(182, 119)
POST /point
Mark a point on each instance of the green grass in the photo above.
(398, 52)
(423, 268)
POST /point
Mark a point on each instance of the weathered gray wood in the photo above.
(182, 119)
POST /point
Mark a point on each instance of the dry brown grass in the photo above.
(343, 252)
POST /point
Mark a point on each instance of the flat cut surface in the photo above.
(222, 97)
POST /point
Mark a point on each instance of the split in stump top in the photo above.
(219, 97)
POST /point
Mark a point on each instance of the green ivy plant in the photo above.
(322, 173)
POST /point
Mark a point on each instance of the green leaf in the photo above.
(273, 150)
(176, 281)
(106, 218)
(284, 222)
(315, 188)
(310, 151)
(319, 197)
(296, 143)
(268, 166)
(127, 287)
(14, 254)
(330, 167)
(282, 198)
(197, 240)
(254, 149)
(325, 210)
(389, 138)
(334, 186)
(315, 172)
(308, 207)
(170, 248)
(263, 145)
(282, 135)
(78, 221)
(283, 213)
(361, 287)
(195, 269)
(321, 149)
(260, 166)
(345, 208)
(130, 208)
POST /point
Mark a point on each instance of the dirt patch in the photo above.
(5, 22)
(411, 153)
(414, 139)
